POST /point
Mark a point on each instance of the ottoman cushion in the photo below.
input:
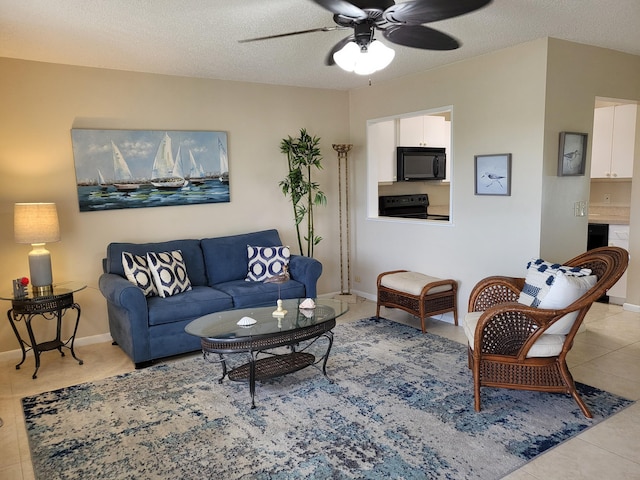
(412, 283)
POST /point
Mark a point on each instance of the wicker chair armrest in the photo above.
(512, 328)
(493, 291)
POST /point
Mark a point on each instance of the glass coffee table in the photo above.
(296, 331)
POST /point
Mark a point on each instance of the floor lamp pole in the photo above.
(343, 150)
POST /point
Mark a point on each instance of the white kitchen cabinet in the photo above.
(381, 144)
(612, 146)
(619, 237)
(423, 131)
(427, 131)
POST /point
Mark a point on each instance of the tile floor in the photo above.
(606, 354)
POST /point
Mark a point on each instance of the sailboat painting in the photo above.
(149, 168)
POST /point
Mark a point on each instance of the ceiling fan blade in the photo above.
(342, 7)
(417, 12)
(419, 36)
(299, 32)
(338, 46)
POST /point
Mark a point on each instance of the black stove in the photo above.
(407, 206)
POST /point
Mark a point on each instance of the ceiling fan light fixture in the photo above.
(364, 60)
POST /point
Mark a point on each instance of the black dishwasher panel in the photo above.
(598, 236)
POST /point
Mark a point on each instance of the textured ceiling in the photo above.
(199, 38)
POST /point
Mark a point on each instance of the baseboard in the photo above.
(631, 307)
(353, 292)
(17, 354)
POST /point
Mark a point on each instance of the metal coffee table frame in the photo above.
(271, 364)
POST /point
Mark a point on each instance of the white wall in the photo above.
(498, 107)
(516, 101)
(42, 102)
(577, 74)
(513, 101)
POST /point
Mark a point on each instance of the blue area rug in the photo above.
(401, 406)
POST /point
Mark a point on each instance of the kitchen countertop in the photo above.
(438, 209)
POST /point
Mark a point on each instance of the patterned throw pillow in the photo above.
(540, 276)
(265, 262)
(137, 271)
(169, 272)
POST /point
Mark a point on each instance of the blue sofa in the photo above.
(149, 328)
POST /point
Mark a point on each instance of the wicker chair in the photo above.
(506, 330)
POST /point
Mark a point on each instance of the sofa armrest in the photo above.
(305, 270)
(128, 316)
(122, 292)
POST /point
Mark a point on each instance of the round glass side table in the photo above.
(51, 306)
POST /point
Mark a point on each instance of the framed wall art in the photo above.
(149, 168)
(572, 154)
(493, 174)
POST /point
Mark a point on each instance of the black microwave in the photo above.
(421, 163)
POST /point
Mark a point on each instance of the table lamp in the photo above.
(37, 224)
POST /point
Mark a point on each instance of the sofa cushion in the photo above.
(250, 294)
(137, 271)
(226, 257)
(539, 278)
(191, 253)
(169, 272)
(266, 262)
(192, 304)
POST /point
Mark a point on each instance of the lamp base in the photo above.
(40, 267)
(42, 290)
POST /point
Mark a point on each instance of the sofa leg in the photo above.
(146, 364)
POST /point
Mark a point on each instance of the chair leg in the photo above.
(476, 383)
(571, 385)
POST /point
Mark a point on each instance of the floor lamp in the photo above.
(345, 294)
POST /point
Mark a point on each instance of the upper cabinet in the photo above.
(427, 131)
(612, 146)
(413, 130)
(423, 131)
(381, 144)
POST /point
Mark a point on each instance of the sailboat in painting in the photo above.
(102, 182)
(123, 179)
(164, 174)
(196, 173)
(224, 164)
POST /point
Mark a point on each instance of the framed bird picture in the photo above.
(572, 154)
(493, 174)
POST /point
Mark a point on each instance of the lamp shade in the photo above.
(365, 60)
(35, 223)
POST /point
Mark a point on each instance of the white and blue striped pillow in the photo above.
(540, 276)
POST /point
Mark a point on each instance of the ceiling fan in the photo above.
(400, 23)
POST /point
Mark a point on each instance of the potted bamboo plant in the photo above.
(303, 156)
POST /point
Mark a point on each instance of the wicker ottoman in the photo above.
(417, 294)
